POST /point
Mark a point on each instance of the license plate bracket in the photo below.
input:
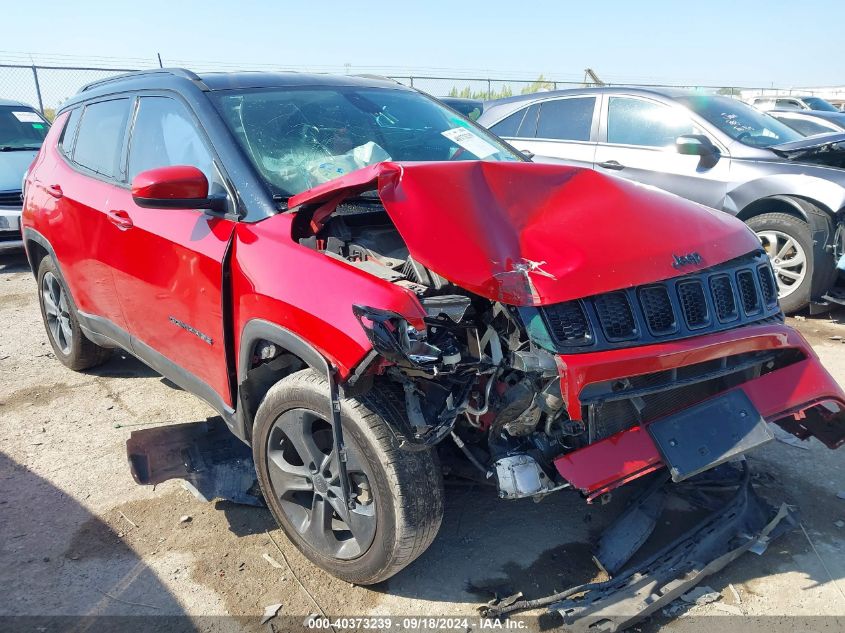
(709, 433)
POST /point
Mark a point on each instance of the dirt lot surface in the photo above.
(78, 537)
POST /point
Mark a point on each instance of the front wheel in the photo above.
(398, 495)
(787, 241)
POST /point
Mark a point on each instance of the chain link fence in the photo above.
(46, 87)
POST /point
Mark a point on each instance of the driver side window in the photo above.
(633, 121)
(165, 134)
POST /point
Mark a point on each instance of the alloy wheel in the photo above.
(788, 260)
(57, 312)
(303, 468)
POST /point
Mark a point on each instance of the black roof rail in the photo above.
(176, 72)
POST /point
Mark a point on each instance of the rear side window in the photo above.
(520, 124)
(787, 104)
(566, 119)
(99, 143)
(68, 137)
(166, 134)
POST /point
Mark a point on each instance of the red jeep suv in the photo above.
(361, 280)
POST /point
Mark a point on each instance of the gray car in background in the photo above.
(711, 149)
(793, 102)
(22, 129)
(811, 122)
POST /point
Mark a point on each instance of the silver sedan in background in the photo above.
(711, 149)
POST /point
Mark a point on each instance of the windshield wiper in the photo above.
(16, 148)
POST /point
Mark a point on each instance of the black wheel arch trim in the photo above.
(822, 231)
(31, 235)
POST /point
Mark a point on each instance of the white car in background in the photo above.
(22, 130)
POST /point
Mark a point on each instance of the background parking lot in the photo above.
(79, 537)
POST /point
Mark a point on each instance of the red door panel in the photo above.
(168, 277)
(84, 238)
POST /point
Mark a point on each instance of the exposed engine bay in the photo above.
(473, 374)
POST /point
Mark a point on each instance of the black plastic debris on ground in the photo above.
(206, 455)
(738, 521)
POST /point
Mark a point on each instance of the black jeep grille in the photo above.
(693, 303)
(748, 291)
(568, 323)
(657, 309)
(615, 316)
(10, 198)
(730, 295)
(723, 298)
(768, 285)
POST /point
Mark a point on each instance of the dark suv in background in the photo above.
(22, 130)
(714, 150)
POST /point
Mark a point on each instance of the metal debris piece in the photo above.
(701, 595)
(185, 518)
(631, 529)
(273, 562)
(742, 523)
(270, 612)
(788, 438)
(735, 594)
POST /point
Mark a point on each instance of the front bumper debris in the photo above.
(803, 398)
(212, 462)
(743, 523)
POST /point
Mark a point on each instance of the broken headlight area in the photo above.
(474, 374)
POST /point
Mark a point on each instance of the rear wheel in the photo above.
(58, 311)
(787, 241)
(398, 494)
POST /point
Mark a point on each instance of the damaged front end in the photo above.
(550, 358)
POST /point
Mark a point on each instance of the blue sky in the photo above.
(717, 42)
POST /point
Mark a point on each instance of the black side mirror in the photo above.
(695, 145)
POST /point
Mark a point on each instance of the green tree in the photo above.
(540, 84)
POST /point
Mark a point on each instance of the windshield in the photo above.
(817, 103)
(740, 121)
(299, 138)
(21, 128)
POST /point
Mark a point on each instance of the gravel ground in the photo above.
(79, 538)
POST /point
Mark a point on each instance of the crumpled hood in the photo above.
(534, 234)
(815, 148)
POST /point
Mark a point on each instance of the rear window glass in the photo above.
(69, 133)
(520, 124)
(100, 140)
(566, 119)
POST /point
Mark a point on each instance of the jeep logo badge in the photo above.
(686, 260)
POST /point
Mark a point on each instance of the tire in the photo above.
(69, 343)
(774, 231)
(405, 488)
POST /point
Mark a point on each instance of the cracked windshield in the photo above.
(300, 138)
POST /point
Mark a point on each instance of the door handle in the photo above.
(120, 219)
(612, 164)
(55, 191)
